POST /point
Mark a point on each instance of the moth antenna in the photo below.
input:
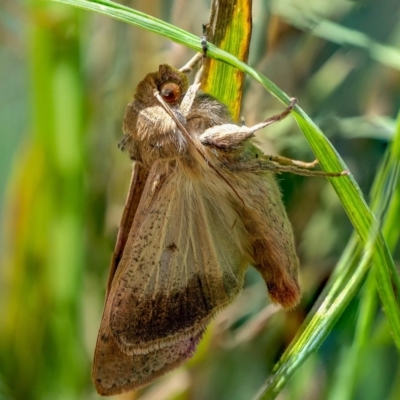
(199, 75)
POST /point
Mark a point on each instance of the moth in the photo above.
(203, 206)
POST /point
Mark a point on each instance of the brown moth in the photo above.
(203, 206)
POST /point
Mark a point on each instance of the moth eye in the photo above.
(170, 92)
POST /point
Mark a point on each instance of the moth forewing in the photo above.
(115, 372)
(199, 269)
(138, 181)
(187, 259)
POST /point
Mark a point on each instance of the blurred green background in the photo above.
(65, 78)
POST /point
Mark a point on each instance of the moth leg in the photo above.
(203, 42)
(204, 47)
(229, 136)
(226, 136)
(190, 95)
(190, 65)
(259, 165)
(288, 161)
(282, 115)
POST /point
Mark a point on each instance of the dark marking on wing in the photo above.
(172, 247)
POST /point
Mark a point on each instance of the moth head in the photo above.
(170, 91)
(168, 81)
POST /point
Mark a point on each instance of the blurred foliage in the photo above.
(66, 76)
